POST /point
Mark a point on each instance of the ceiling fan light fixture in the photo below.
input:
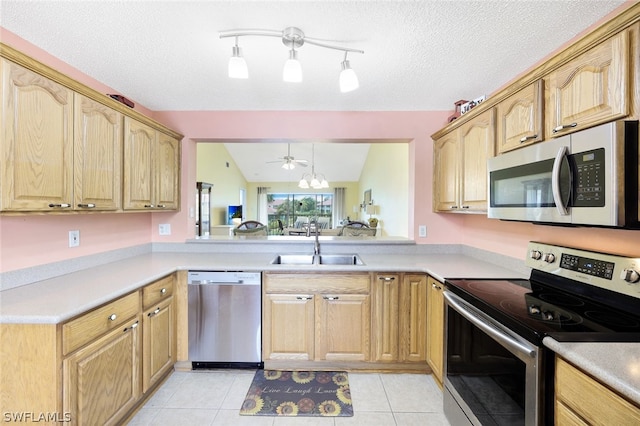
(289, 165)
(292, 71)
(237, 65)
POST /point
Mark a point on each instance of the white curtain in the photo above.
(339, 206)
(263, 215)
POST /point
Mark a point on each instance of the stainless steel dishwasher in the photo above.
(225, 317)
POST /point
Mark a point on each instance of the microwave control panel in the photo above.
(589, 174)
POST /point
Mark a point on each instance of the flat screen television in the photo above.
(234, 212)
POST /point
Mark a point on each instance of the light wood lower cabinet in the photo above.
(385, 290)
(413, 318)
(102, 380)
(435, 324)
(582, 400)
(94, 368)
(316, 317)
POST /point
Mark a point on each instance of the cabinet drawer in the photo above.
(357, 283)
(591, 400)
(88, 327)
(157, 291)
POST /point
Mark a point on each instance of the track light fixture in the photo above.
(292, 38)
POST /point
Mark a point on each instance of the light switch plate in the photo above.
(422, 231)
(74, 238)
(164, 229)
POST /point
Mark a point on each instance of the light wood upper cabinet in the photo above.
(582, 400)
(591, 89)
(519, 118)
(435, 324)
(460, 166)
(98, 156)
(151, 168)
(37, 141)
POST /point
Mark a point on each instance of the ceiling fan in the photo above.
(289, 163)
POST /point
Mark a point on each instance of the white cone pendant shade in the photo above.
(292, 71)
(237, 65)
(348, 78)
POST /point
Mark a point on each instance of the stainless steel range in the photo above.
(497, 370)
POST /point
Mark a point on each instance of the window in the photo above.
(295, 210)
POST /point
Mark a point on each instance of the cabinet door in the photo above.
(477, 138)
(446, 182)
(591, 89)
(343, 324)
(139, 141)
(37, 141)
(413, 318)
(158, 342)
(435, 324)
(101, 381)
(166, 173)
(519, 118)
(288, 327)
(385, 297)
(98, 156)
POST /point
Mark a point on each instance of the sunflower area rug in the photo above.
(298, 393)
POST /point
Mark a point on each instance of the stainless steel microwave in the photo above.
(585, 178)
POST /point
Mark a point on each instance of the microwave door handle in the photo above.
(561, 157)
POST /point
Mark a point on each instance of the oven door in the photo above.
(492, 376)
(531, 184)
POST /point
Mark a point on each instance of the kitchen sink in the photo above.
(319, 259)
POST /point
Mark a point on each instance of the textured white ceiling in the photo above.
(420, 55)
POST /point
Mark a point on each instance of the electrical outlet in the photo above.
(422, 231)
(164, 229)
(74, 238)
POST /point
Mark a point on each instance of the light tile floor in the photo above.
(214, 397)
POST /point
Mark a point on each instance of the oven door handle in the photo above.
(503, 338)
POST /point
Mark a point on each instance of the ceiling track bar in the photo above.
(281, 34)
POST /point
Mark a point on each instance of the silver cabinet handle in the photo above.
(330, 297)
(526, 138)
(163, 291)
(156, 312)
(466, 207)
(387, 278)
(131, 327)
(60, 206)
(453, 207)
(304, 297)
(436, 286)
(87, 206)
(161, 206)
(564, 127)
(149, 206)
(113, 317)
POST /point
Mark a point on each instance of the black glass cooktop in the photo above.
(535, 310)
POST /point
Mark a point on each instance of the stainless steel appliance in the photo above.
(497, 370)
(586, 178)
(225, 317)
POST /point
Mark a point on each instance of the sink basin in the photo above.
(293, 259)
(339, 259)
(321, 259)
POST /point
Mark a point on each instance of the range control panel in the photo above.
(612, 272)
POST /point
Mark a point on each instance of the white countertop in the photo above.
(58, 299)
(617, 365)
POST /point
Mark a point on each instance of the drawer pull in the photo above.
(113, 317)
(163, 291)
(436, 287)
(526, 138)
(87, 206)
(387, 278)
(131, 327)
(150, 314)
(60, 206)
(304, 297)
(564, 127)
(330, 297)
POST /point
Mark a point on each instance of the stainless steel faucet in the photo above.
(316, 245)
